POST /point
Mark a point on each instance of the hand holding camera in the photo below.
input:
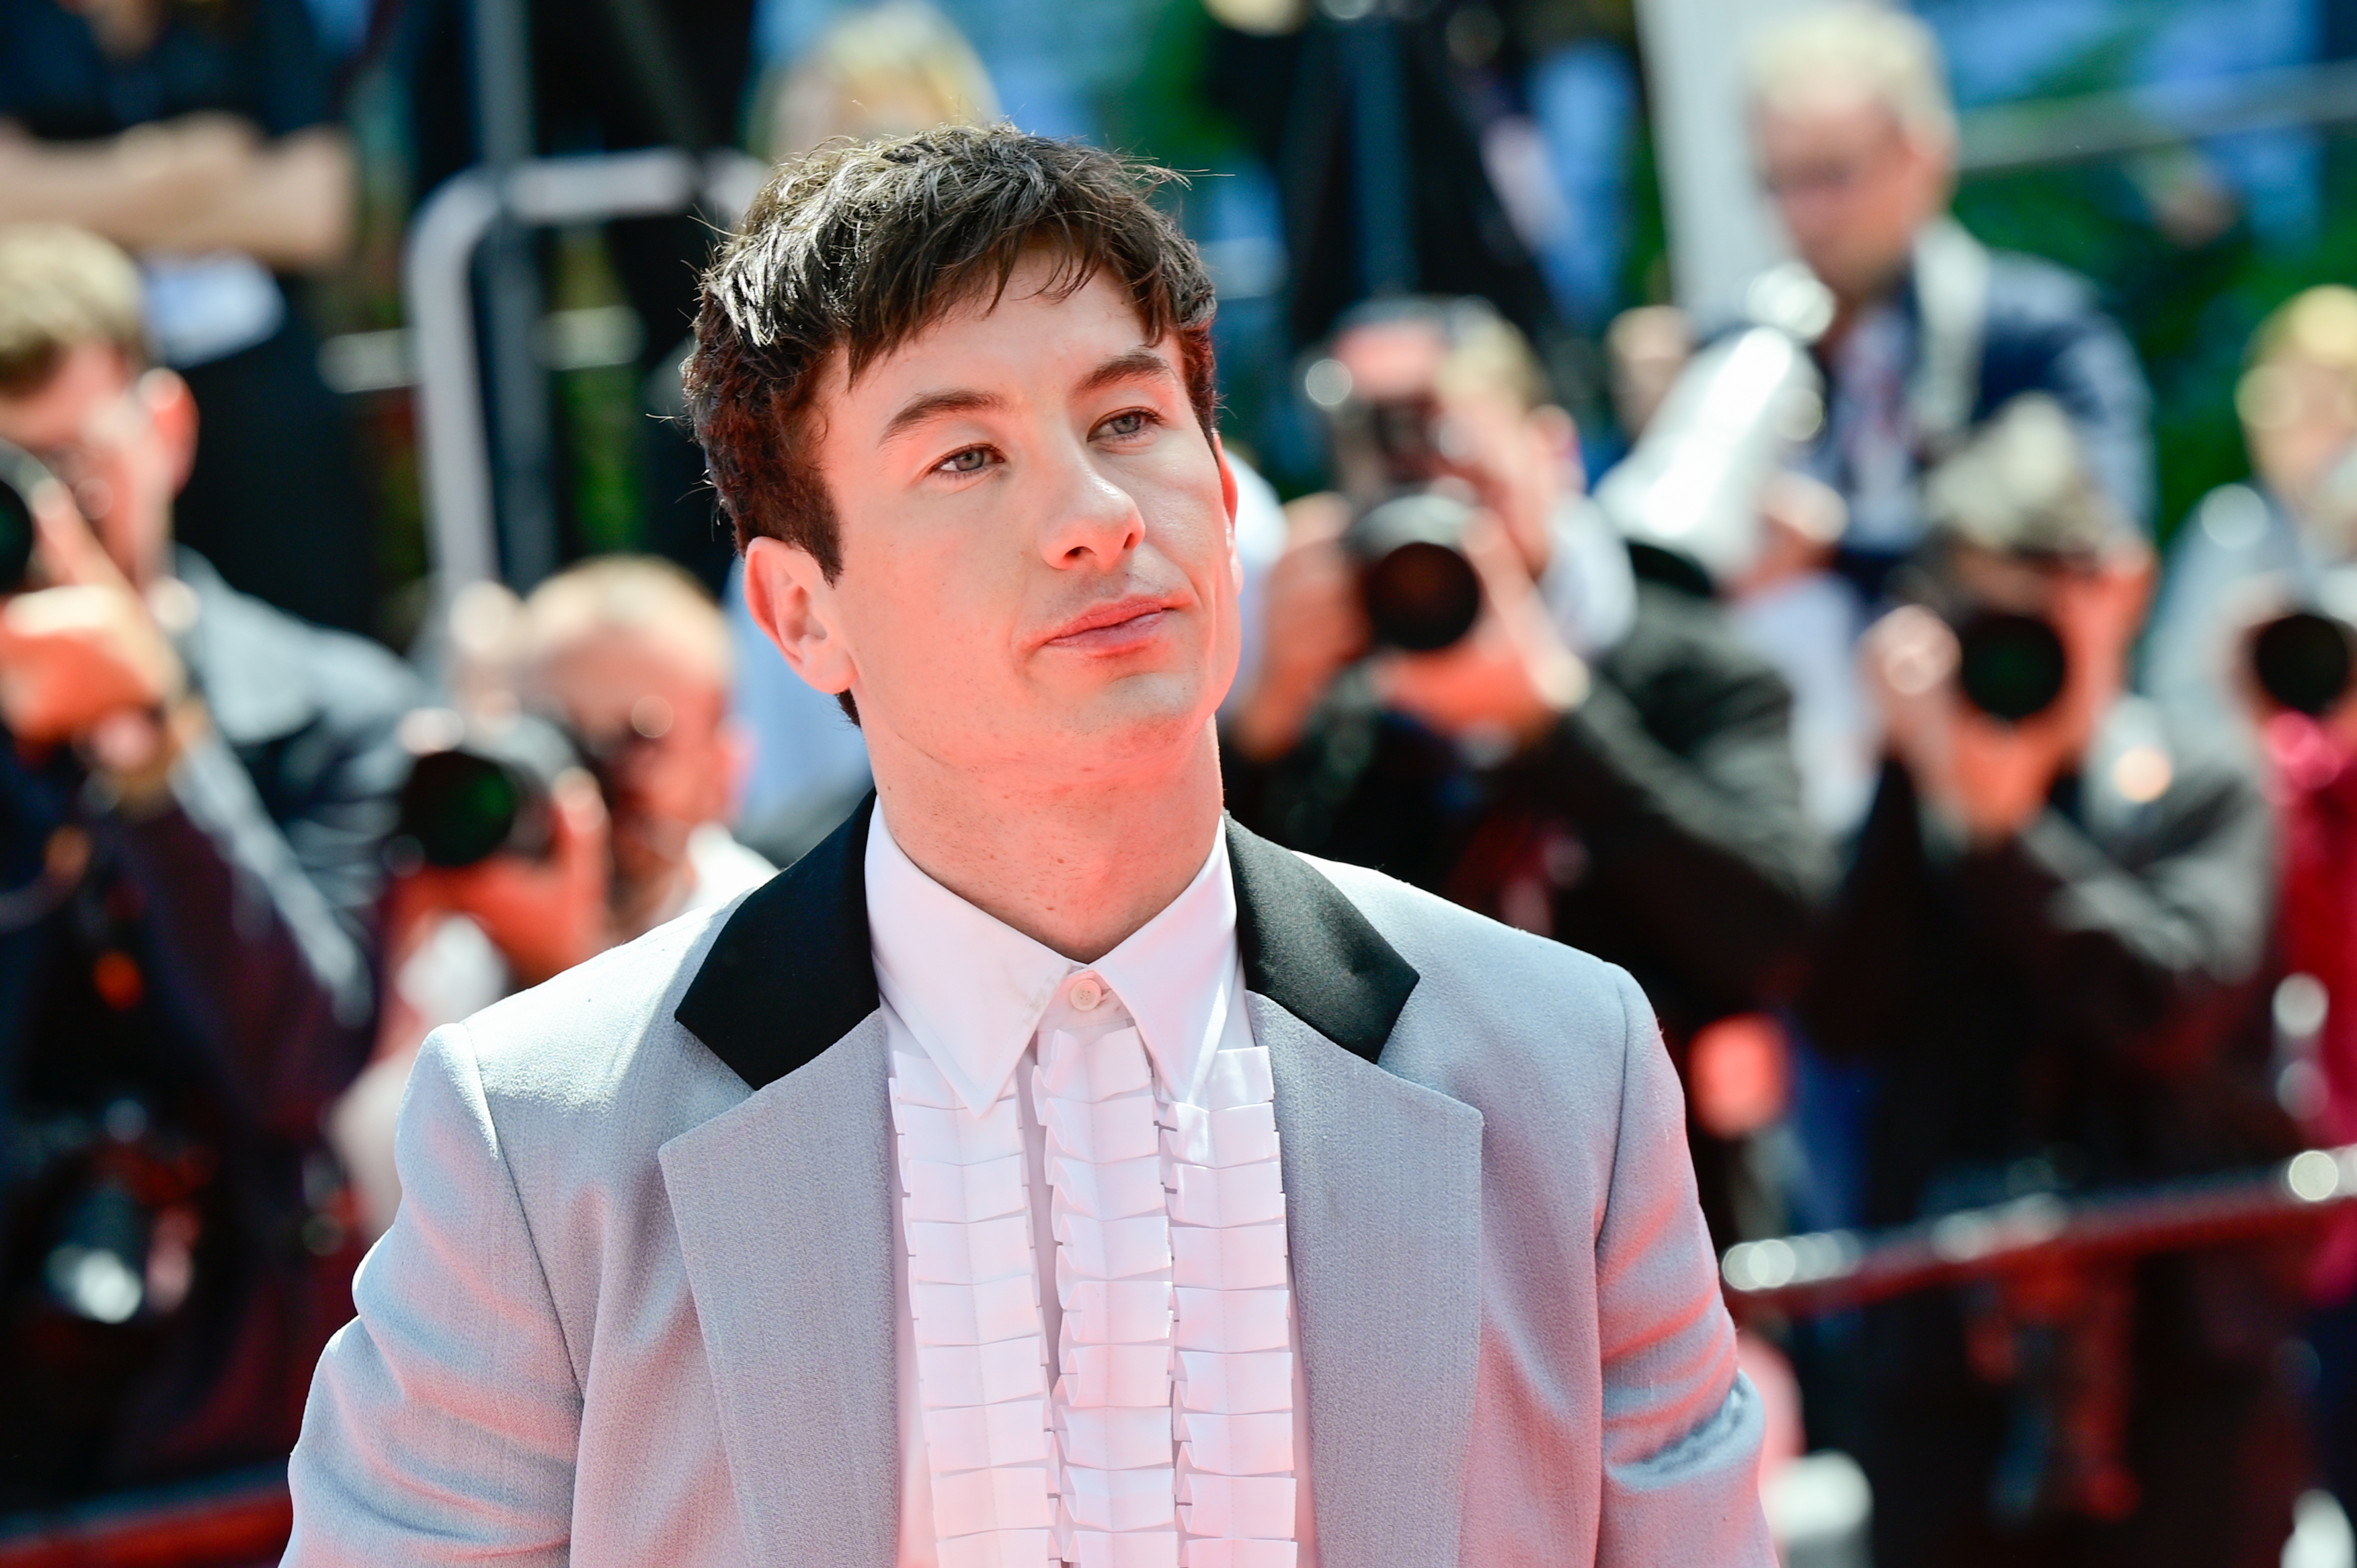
(1492, 664)
(1970, 711)
(502, 823)
(82, 657)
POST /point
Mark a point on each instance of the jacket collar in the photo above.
(791, 972)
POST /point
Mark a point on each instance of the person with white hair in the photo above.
(1930, 332)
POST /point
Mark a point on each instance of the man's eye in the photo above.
(973, 460)
(1130, 424)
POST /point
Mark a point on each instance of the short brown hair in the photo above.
(860, 247)
(61, 287)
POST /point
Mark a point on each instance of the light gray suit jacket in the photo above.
(637, 1304)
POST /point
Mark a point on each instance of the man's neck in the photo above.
(1076, 867)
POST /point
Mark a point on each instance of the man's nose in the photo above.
(1088, 517)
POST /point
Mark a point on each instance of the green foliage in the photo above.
(2188, 293)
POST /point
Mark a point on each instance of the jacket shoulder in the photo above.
(596, 1046)
(1487, 994)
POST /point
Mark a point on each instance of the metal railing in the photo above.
(438, 296)
(1834, 1270)
(228, 1522)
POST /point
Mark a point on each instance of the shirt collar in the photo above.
(972, 989)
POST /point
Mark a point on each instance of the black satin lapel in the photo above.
(790, 972)
(1307, 949)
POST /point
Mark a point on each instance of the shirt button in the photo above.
(1086, 993)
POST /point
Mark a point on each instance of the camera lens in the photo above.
(2303, 661)
(2011, 667)
(19, 473)
(476, 791)
(459, 808)
(1421, 593)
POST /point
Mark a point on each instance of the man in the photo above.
(2050, 944)
(631, 657)
(191, 805)
(1039, 1170)
(1931, 333)
(2282, 539)
(1600, 760)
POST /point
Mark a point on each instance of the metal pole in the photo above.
(438, 264)
(522, 463)
(1722, 235)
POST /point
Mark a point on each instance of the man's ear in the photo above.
(173, 410)
(1230, 496)
(790, 599)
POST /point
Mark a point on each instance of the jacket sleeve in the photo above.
(1682, 1427)
(2137, 962)
(1691, 802)
(264, 927)
(444, 1419)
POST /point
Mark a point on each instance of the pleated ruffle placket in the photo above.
(973, 1294)
(1233, 1358)
(1112, 1408)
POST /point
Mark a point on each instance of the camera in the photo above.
(2303, 661)
(1421, 592)
(21, 474)
(479, 787)
(2010, 667)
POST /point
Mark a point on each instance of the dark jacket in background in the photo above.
(182, 992)
(2081, 1007)
(275, 498)
(1984, 327)
(1658, 826)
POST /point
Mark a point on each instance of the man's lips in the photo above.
(1111, 628)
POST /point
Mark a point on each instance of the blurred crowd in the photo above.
(1970, 844)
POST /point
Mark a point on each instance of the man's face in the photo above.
(121, 443)
(657, 718)
(2300, 419)
(1038, 574)
(1517, 461)
(1852, 189)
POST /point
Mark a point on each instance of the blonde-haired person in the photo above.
(885, 70)
(2249, 547)
(1855, 137)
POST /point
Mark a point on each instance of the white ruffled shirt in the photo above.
(1099, 1362)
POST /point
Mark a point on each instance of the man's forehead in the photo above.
(60, 410)
(1837, 116)
(1391, 358)
(1035, 326)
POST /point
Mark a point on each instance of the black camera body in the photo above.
(480, 787)
(1407, 536)
(21, 474)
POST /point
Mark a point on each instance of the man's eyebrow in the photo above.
(1138, 364)
(933, 405)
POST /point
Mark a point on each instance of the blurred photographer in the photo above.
(609, 689)
(1929, 332)
(2254, 639)
(2050, 944)
(2250, 549)
(193, 792)
(1597, 760)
